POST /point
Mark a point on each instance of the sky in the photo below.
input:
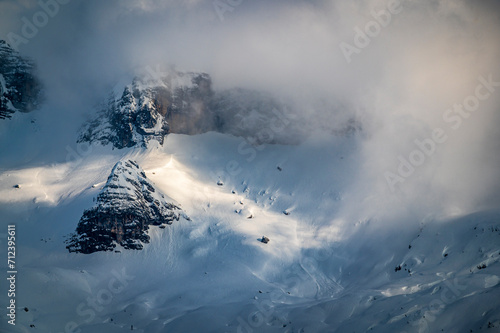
(402, 69)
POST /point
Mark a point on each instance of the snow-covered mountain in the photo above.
(229, 164)
(127, 205)
(150, 107)
(20, 90)
(318, 273)
(233, 166)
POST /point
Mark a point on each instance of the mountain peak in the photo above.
(125, 208)
(150, 107)
(154, 105)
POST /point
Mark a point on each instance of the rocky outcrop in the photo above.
(185, 103)
(20, 90)
(148, 109)
(127, 205)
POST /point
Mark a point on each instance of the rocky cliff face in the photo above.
(127, 205)
(148, 109)
(184, 103)
(20, 90)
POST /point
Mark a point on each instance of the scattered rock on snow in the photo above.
(264, 240)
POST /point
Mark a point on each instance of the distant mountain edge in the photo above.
(20, 89)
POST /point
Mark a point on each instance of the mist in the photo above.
(397, 81)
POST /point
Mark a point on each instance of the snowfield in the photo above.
(322, 271)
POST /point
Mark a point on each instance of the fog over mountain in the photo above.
(426, 59)
(396, 103)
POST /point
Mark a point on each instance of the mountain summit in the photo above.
(150, 107)
(125, 208)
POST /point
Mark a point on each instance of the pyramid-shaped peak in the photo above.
(126, 206)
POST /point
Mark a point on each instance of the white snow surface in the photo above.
(126, 189)
(320, 271)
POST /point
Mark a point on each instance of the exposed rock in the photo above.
(20, 90)
(264, 240)
(185, 103)
(127, 205)
(149, 109)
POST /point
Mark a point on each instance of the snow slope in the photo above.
(320, 272)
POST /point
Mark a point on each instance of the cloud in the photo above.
(427, 58)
